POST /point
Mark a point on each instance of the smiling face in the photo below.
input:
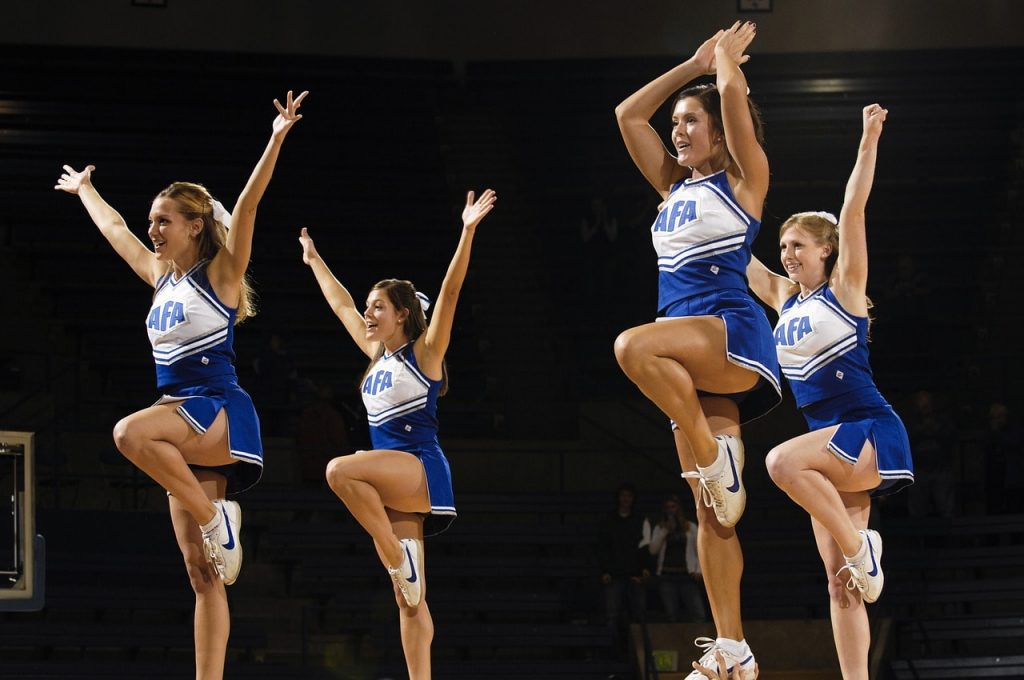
(174, 236)
(803, 256)
(695, 137)
(384, 322)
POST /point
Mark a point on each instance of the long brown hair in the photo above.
(711, 101)
(194, 201)
(402, 294)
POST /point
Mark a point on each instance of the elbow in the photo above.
(731, 84)
(625, 113)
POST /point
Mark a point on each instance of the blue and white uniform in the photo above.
(401, 407)
(192, 332)
(702, 237)
(823, 351)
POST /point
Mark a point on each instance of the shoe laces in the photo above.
(710, 646)
(711, 492)
(213, 553)
(857, 580)
(396, 576)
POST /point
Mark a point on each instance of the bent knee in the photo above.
(201, 575)
(127, 438)
(337, 473)
(779, 466)
(626, 348)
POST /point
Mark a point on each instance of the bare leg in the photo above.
(416, 624)
(670, 360)
(850, 627)
(814, 478)
(158, 441)
(718, 548)
(212, 622)
(370, 481)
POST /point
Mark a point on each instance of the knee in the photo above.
(838, 592)
(337, 475)
(625, 349)
(127, 438)
(778, 467)
(707, 522)
(201, 575)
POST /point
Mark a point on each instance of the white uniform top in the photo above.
(702, 237)
(822, 348)
(191, 331)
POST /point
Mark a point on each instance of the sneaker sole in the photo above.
(238, 541)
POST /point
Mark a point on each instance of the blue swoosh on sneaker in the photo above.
(231, 536)
(735, 486)
(874, 562)
(412, 566)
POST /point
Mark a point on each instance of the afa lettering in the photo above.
(793, 331)
(679, 214)
(166, 316)
(378, 382)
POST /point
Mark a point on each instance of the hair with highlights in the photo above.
(823, 231)
(195, 202)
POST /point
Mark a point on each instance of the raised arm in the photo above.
(740, 135)
(113, 227)
(657, 163)
(337, 296)
(850, 277)
(229, 265)
(769, 287)
(430, 347)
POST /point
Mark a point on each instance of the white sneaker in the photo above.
(223, 545)
(747, 667)
(866, 572)
(409, 576)
(725, 492)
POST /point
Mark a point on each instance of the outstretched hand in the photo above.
(72, 180)
(724, 673)
(308, 249)
(733, 42)
(476, 210)
(288, 115)
(874, 117)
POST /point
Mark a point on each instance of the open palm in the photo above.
(288, 115)
(476, 210)
(72, 180)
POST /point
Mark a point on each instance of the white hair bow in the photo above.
(221, 214)
(827, 216)
(424, 301)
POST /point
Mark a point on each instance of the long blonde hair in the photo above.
(823, 230)
(194, 201)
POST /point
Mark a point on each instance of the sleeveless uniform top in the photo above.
(822, 348)
(400, 401)
(191, 331)
(702, 237)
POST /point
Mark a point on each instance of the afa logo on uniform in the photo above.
(681, 213)
(793, 331)
(166, 316)
(378, 382)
